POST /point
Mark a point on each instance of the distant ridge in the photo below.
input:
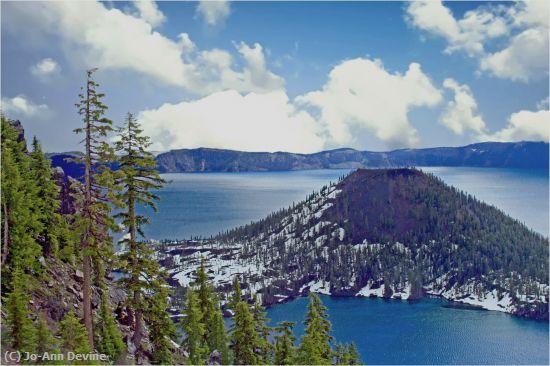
(523, 155)
(519, 155)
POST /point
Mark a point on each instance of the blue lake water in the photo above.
(386, 332)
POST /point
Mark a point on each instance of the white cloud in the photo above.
(150, 12)
(524, 125)
(213, 11)
(96, 36)
(361, 95)
(45, 68)
(525, 58)
(523, 26)
(228, 119)
(461, 114)
(20, 107)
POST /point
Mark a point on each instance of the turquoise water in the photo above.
(386, 332)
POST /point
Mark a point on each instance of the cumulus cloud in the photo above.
(461, 114)
(111, 39)
(213, 12)
(45, 68)
(524, 125)
(523, 26)
(150, 12)
(21, 107)
(231, 120)
(361, 94)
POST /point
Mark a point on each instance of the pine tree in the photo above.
(21, 329)
(161, 327)
(110, 340)
(194, 329)
(94, 222)
(243, 336)
(74, 335)
(138, 178)
(55, 229)
(236, 296)
(20, 222)
(263, 348)
(315, 346)
(45, 342)
(218, 335)
(284, 344)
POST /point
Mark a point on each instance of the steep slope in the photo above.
(395, 233)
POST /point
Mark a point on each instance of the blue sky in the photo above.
(294, 76)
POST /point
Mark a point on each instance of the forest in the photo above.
(59, 296)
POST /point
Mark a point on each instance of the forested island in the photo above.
(391, 233)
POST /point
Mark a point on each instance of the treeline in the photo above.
(250, 340)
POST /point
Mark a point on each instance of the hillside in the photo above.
(526, 155)
(396, 233)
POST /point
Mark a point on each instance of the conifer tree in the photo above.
(237, 295)
(55, 230)
(284, 344)
(94, 222)
(20, 222)
(45, 342)
(110, 340)
(244, 338)
(138, 178)
(73, 335)
(217, 338)
(315, 346)
(263, 348)
(161, 327)
(194, 329)
(21, 329)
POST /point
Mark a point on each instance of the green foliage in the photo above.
(194, 329)
(45, 342)
(217, 335)
(284, 344)
(21, 222)
(346, 354)
(21, 330)
(244, 338)
(161, 327)
(315, 348)
(237, 294)
(73, 335)
(55, 228)
(263, 348)
(110, 340)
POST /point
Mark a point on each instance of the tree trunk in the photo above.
(87, 270)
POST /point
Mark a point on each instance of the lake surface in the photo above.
(426, 331)
(203, 204)
(386, 332)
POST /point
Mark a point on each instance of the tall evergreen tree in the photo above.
(263, 348)
(244, 338)
(315, 348)
(194, 329)
(138, 178)
(20, 222)
(21, 329)
(284, 344)
(94, 222)
(55, 230)
(74, 335)
(161, 327)
(45, 342)
(237, 294)
(217, 335)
